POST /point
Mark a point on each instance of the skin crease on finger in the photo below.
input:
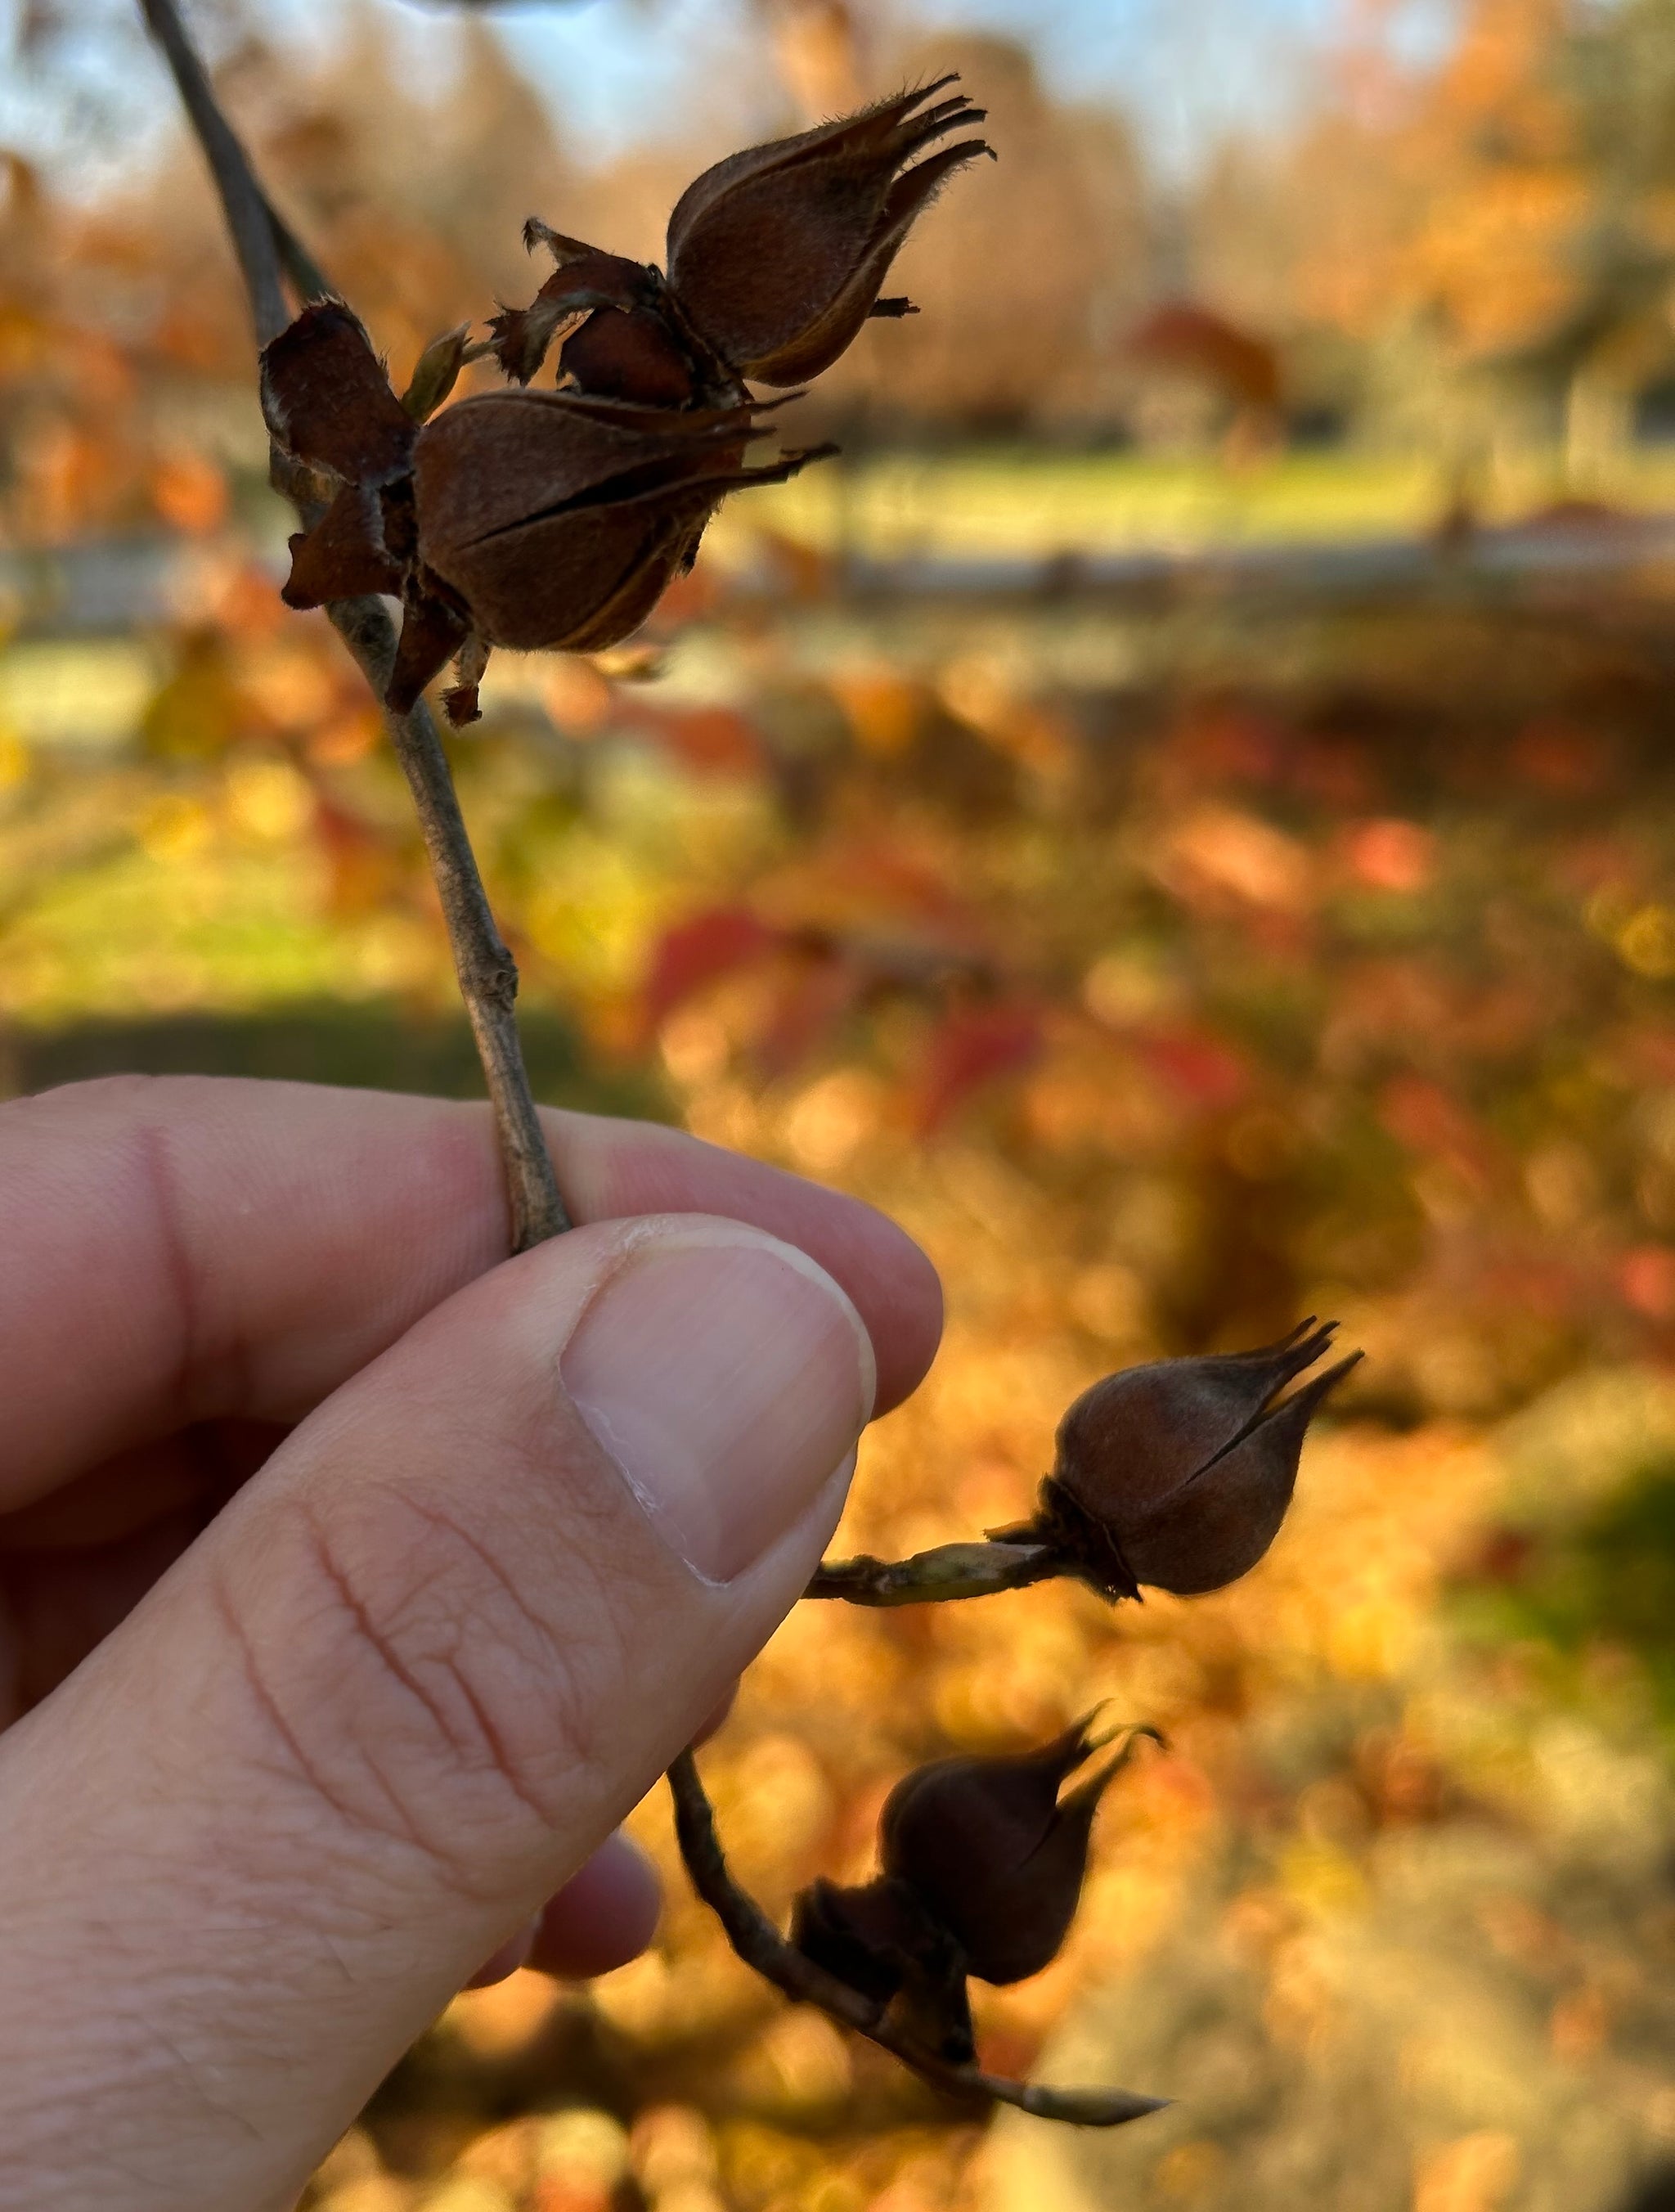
(208, 1250)
(234, 1249)
(324, 1223)
(367, 1866)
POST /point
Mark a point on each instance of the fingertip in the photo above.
(603, 1918)
(512, 1954)
(612, 1169)
(908, 1330)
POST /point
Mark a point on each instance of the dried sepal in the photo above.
(345, 555)
(585, 281)
(535, 519)
(433, 629)
(460, 701)
(879, 1938)
(778, 253)
(327, 401)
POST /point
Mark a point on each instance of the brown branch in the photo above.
(268, 251)
(249, 218)
(950, 1570)
(759, 1944)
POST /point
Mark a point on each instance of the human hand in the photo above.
(353, 1586)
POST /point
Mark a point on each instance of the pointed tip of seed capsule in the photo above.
(1087, 1793)
(1221, 1522)
(562, 249)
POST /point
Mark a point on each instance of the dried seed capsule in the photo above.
(775, 258)
(881, 1940)
(620, 336)
(537, 519)
(558, 520)
(1178, 1473)
(983, 1864)
(993, 1852)
(778, 254)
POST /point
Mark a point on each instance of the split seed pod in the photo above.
(994, 1854)
(1178, 1473)
(620, 335)
(983, 1863)
(535, 520)
(776, 256)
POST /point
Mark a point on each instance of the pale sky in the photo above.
(1183, 71)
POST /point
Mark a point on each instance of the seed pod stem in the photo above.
(759, 1944)
(950, 1570)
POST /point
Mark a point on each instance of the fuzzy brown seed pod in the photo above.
(983, 1863)
(992, 1851)
(620, 336)
(776, 256)
(1178, 1473)
(535, 520)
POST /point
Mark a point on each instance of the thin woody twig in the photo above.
(950, 1570)
(761, 1946)
(487, 974)
(268, 251)
(249, 217)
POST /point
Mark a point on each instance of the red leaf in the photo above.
(718, 739)
(819, 988)
(1206, 1071)
(699, 951)
(973, 1046)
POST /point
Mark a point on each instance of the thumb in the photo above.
(394, 1696)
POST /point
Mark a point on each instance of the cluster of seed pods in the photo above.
(1176, 1474)
(554, 518)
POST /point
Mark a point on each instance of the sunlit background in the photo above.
(1178, 813)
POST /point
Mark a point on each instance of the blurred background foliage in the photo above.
(1180, 815)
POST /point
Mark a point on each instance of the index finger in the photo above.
(178, 1249)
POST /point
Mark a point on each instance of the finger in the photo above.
(63, 1605)
(602, 1917)
(717, 1716)
(500, 1965)
(75, 1563)
(398, 1694)
(180, 1250)
(607, 1915)
(123, 1495)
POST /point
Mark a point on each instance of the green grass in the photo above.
(1023, 503)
